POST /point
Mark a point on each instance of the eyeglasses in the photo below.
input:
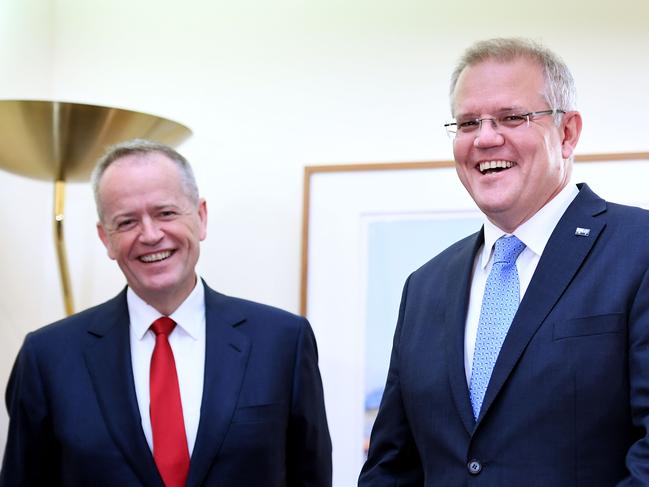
(462, 128)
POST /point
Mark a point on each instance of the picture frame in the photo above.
(365, 228)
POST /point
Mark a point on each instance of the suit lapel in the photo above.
(563, 256)
(459, 272)
(226, 357)
(108, 359)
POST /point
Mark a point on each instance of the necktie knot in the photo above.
(507, 249)
(163, 326)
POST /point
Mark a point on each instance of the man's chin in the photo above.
(493, 207)
(157, 287)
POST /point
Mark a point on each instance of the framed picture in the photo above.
(366, 227)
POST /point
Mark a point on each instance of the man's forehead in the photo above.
(139, 175)
(498, 85)
(149, 161)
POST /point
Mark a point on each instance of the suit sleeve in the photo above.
(393, 458)
(308, 441)
(637, 459)
(31, 454)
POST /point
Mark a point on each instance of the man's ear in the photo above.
(202, 216)
(570, 132)
(103, 236)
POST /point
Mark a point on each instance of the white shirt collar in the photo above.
(188, 316)
(536, 231)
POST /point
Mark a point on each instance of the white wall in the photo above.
(26, 276)
(268, 87)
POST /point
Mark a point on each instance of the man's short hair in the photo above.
(560, 92)
(141, 147)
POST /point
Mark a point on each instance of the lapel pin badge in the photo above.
(582, 232)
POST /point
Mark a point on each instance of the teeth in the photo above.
(156, 257)
(485, 166)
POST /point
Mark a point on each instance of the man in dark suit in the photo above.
(218, 391)
(527, 365)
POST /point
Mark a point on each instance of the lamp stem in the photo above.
(59, 243)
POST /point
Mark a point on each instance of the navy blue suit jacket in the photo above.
(568, 400)
(74, 418)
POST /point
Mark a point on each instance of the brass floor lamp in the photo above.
(60, 142)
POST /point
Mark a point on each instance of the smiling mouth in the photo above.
(489, 167)
(157, 257)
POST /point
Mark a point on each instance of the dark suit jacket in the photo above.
(568, 400)
(74, 419)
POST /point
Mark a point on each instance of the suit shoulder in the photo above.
(270, 328)
(253, 312)
(462, 247)
(628, 226)
(265, 310)
(74, 325)
(627, 214)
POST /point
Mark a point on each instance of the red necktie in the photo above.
(169, 439)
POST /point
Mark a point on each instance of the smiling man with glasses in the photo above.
(521, 353)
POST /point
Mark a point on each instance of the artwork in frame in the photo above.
(366, 227)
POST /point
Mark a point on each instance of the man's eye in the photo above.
(513, 119)
(468, 124)
(167, 213)
(124, 224)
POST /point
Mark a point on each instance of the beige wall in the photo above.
(269, 87)
(25, 35)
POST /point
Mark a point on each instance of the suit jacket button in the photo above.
(474, 466)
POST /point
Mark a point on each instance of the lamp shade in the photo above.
(61, 141)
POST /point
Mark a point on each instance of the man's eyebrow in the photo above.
(474, 114)
(514, 109)
(166, 206)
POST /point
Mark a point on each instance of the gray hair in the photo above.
(560, 92)
(141, 147)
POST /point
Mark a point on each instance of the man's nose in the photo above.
(150, 231)
(488, 134)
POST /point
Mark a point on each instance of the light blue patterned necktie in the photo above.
(499, 305)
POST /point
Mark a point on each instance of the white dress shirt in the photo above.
(187, 340)
(534, 233)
